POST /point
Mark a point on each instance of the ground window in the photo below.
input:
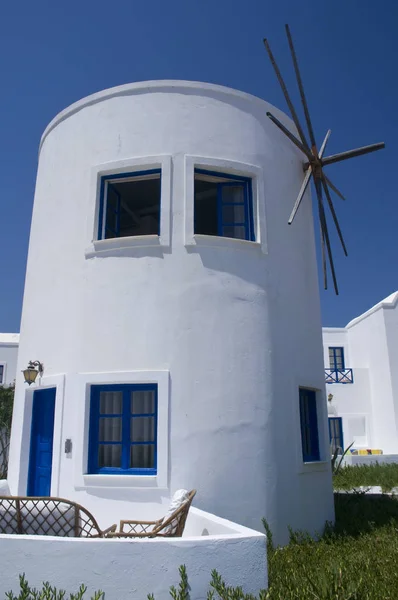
(336, 358)
(130, 204)
(1, 374)
(223, 205)
(309, 425)
(123, 429)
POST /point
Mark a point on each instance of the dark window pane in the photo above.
(142, 457)
(142, 429)
(1, 373)
(142, 402)
(138, 206)
(233, 214)
(234, 231)
(110, 429)
(111, 403)
(109, 456)
(205, 210)
(232, 193)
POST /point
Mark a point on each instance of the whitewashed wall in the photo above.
(8, 356)
(371, 349)
(213, 321)
(134, 568)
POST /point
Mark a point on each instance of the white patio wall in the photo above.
(126, 569)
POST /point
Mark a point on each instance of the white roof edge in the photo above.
(389, 302)
(333, 330)
(11, 339)
(156, 85)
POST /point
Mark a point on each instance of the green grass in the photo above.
(357, 559)
(351, 477)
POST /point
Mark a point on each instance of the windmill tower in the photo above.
(175, 311)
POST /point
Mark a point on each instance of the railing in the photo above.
(340, 376)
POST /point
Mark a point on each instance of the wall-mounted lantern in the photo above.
(330, 397)
(34, 368)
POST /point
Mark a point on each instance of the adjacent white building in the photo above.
(8, 357)
(361, 373)
(169, 284)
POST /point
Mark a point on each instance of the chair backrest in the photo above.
(46, 516)
(174, 525)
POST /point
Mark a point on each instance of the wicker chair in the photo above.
(24, 515)
(171, 527)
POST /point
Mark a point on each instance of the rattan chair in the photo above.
(171, 527)
(24, 515)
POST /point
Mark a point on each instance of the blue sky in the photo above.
(52, 54)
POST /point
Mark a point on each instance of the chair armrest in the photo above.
(143, 526)
(110, 529)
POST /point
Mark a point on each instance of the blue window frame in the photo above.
(223, 205)
(336, 358)
(336, 434)
(123, 429)
(309, 425)
(129, 204)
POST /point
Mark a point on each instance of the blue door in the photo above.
(336, 434)
(41, 443)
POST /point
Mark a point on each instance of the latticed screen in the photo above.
(123, 429)
(336, 358)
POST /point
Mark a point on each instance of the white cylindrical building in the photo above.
(175, 311)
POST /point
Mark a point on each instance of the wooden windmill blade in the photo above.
(313, 167)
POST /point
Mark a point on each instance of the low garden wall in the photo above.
(133, 568)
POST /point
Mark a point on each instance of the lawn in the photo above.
(357, 558)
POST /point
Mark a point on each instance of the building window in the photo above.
(336, 358)
(223, 205)
(123, 429)
(1, 374)
(309, 425)
(336, 434)
(130, 204)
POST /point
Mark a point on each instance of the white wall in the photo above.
(371, 349)
(134, 568)
(8, 356)
(218, 317)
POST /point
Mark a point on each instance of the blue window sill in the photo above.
(129, 472)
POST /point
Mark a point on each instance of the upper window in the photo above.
(1, 374)
(130, 204)
(309, 425)
(336, 358)
(123, 429)
(223, 205)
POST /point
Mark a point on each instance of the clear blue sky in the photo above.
(52, 54)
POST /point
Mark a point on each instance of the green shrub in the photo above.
(48, 592)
